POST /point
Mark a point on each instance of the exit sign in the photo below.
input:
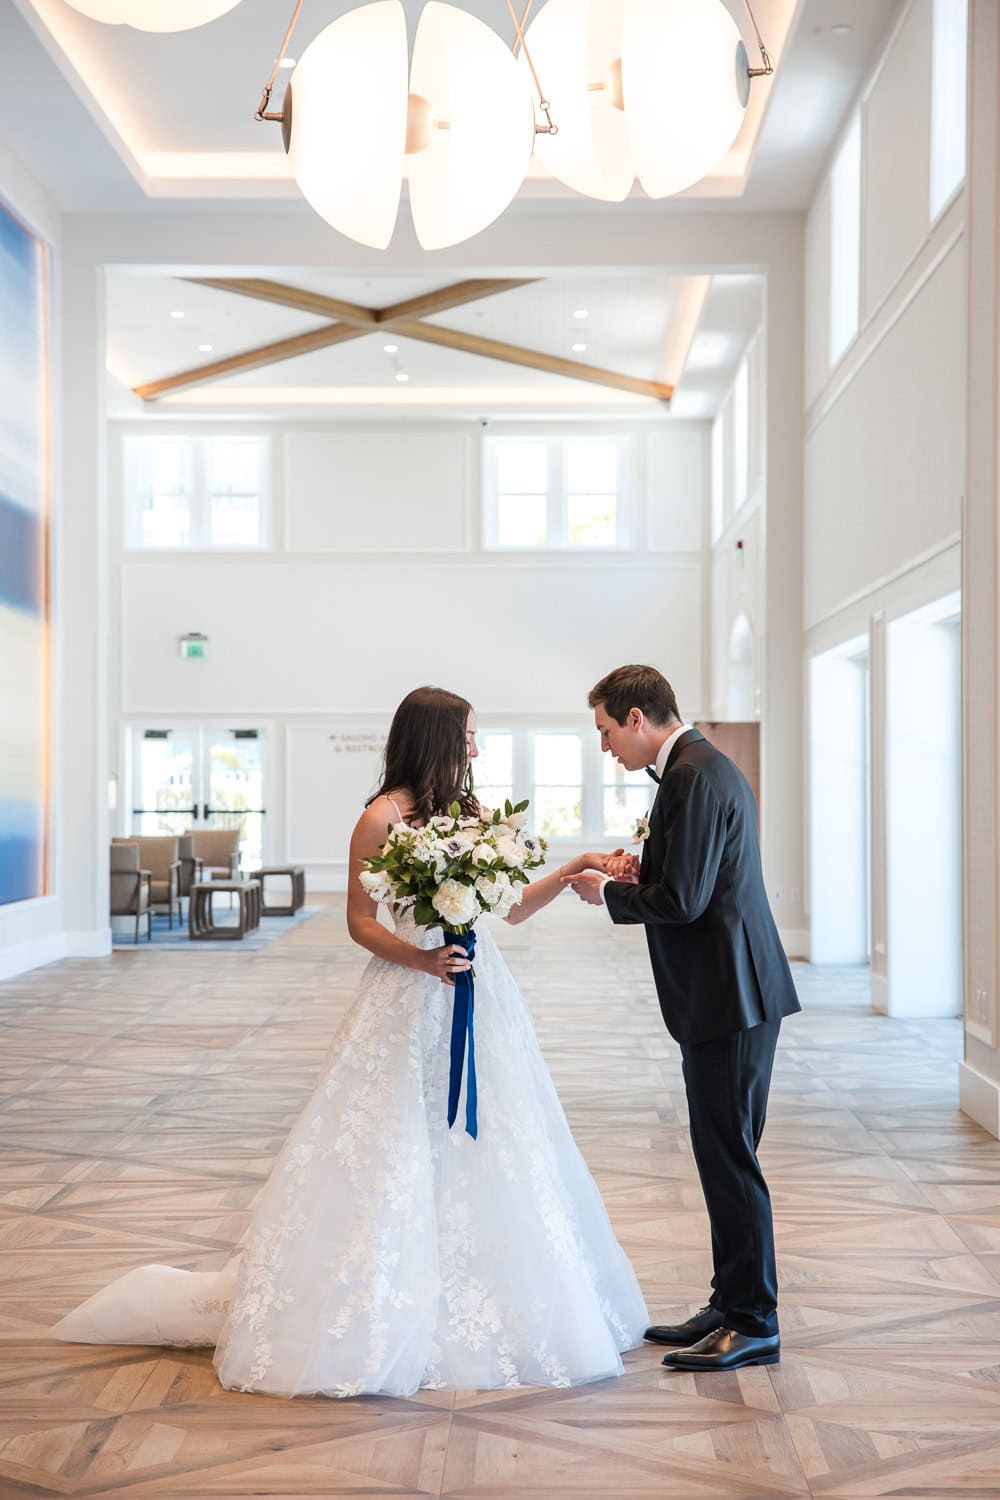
(194, 647)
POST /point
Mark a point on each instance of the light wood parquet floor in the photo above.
(145, 1096)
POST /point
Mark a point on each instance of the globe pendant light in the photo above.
(649, 88)
(685, 83)
(154, 15)
(577, 47)
(345, 121)
(474, 162)
(465, 126)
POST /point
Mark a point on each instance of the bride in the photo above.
(387, 1252)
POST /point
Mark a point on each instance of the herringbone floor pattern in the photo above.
(145, 1096)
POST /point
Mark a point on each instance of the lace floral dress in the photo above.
(387, 1252)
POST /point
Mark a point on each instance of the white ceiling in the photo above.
(686, 330)
(108, 117)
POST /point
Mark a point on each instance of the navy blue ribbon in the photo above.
(462, 1018)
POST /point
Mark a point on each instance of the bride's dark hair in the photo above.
(426, 754)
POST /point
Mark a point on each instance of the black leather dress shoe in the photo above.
(725, 1350)
(680, 1335)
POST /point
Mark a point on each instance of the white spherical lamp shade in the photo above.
(154, 15)
(347, 132)
(483, 131)
(575, 45)
(682, 62)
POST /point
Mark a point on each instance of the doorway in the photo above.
(200, 776)
(840, 805)
(924, 812)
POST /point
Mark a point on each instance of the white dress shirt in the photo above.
(660, 765)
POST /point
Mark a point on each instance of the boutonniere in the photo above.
(640, 833)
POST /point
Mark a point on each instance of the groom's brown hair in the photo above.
(636, 687)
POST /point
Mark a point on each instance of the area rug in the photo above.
(177, 937)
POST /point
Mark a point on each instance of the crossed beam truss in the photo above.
(350, 320)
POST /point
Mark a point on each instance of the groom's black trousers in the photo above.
(727, 1082)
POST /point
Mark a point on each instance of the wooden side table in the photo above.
(201, 925)
(296, 875)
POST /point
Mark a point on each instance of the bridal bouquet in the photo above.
(449, 872)
(456, 867)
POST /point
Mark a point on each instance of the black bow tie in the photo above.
(652, 775)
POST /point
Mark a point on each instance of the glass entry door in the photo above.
(203, 777)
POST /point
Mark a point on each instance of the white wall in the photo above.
(885, 427)
(377, 582)
(32, 932)
(738, 559)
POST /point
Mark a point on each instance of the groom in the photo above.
(723, 983)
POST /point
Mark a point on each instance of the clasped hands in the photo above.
(586, 873)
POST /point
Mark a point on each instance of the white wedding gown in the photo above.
(387, 1252)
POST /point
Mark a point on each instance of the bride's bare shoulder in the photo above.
(387, 809)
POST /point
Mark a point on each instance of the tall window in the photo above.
(555, 492)
(558, 799)
(494, 770)
(741, 436)
(196, 492)
(949, 61)
(718, 475)
(627, 795)
(845, 242)
(522, 513)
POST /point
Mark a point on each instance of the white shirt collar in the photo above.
(667, 746)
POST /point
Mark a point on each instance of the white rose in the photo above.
(511, 898)
(484, 854)
(377, 884)
(455, 902)
(489, 890)
(516, 820)
(512, 852)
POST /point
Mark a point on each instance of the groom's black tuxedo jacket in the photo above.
(717, 960)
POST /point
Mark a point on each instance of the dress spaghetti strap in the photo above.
(395, 807)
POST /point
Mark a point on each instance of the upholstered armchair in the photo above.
(158, 855)
(130, 887)
(219, 851)
(191, 866)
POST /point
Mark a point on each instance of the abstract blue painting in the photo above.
(25, 686)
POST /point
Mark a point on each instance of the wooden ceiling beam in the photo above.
(295, 297)
(531, 359)
(251, 359)
(422, 306)
(401, 318)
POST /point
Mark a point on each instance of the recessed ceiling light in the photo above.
(581, 312)
(842, 28)
(402, 376)
(579, 348)
(391, 348)
(287, 62)
(176, 314)
(204, 348)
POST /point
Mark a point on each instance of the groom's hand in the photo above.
(623, 867)
(587, 885)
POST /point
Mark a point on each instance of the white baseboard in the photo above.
(795, 941)
(94, 944)
(21, 957)
(979, 1098)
